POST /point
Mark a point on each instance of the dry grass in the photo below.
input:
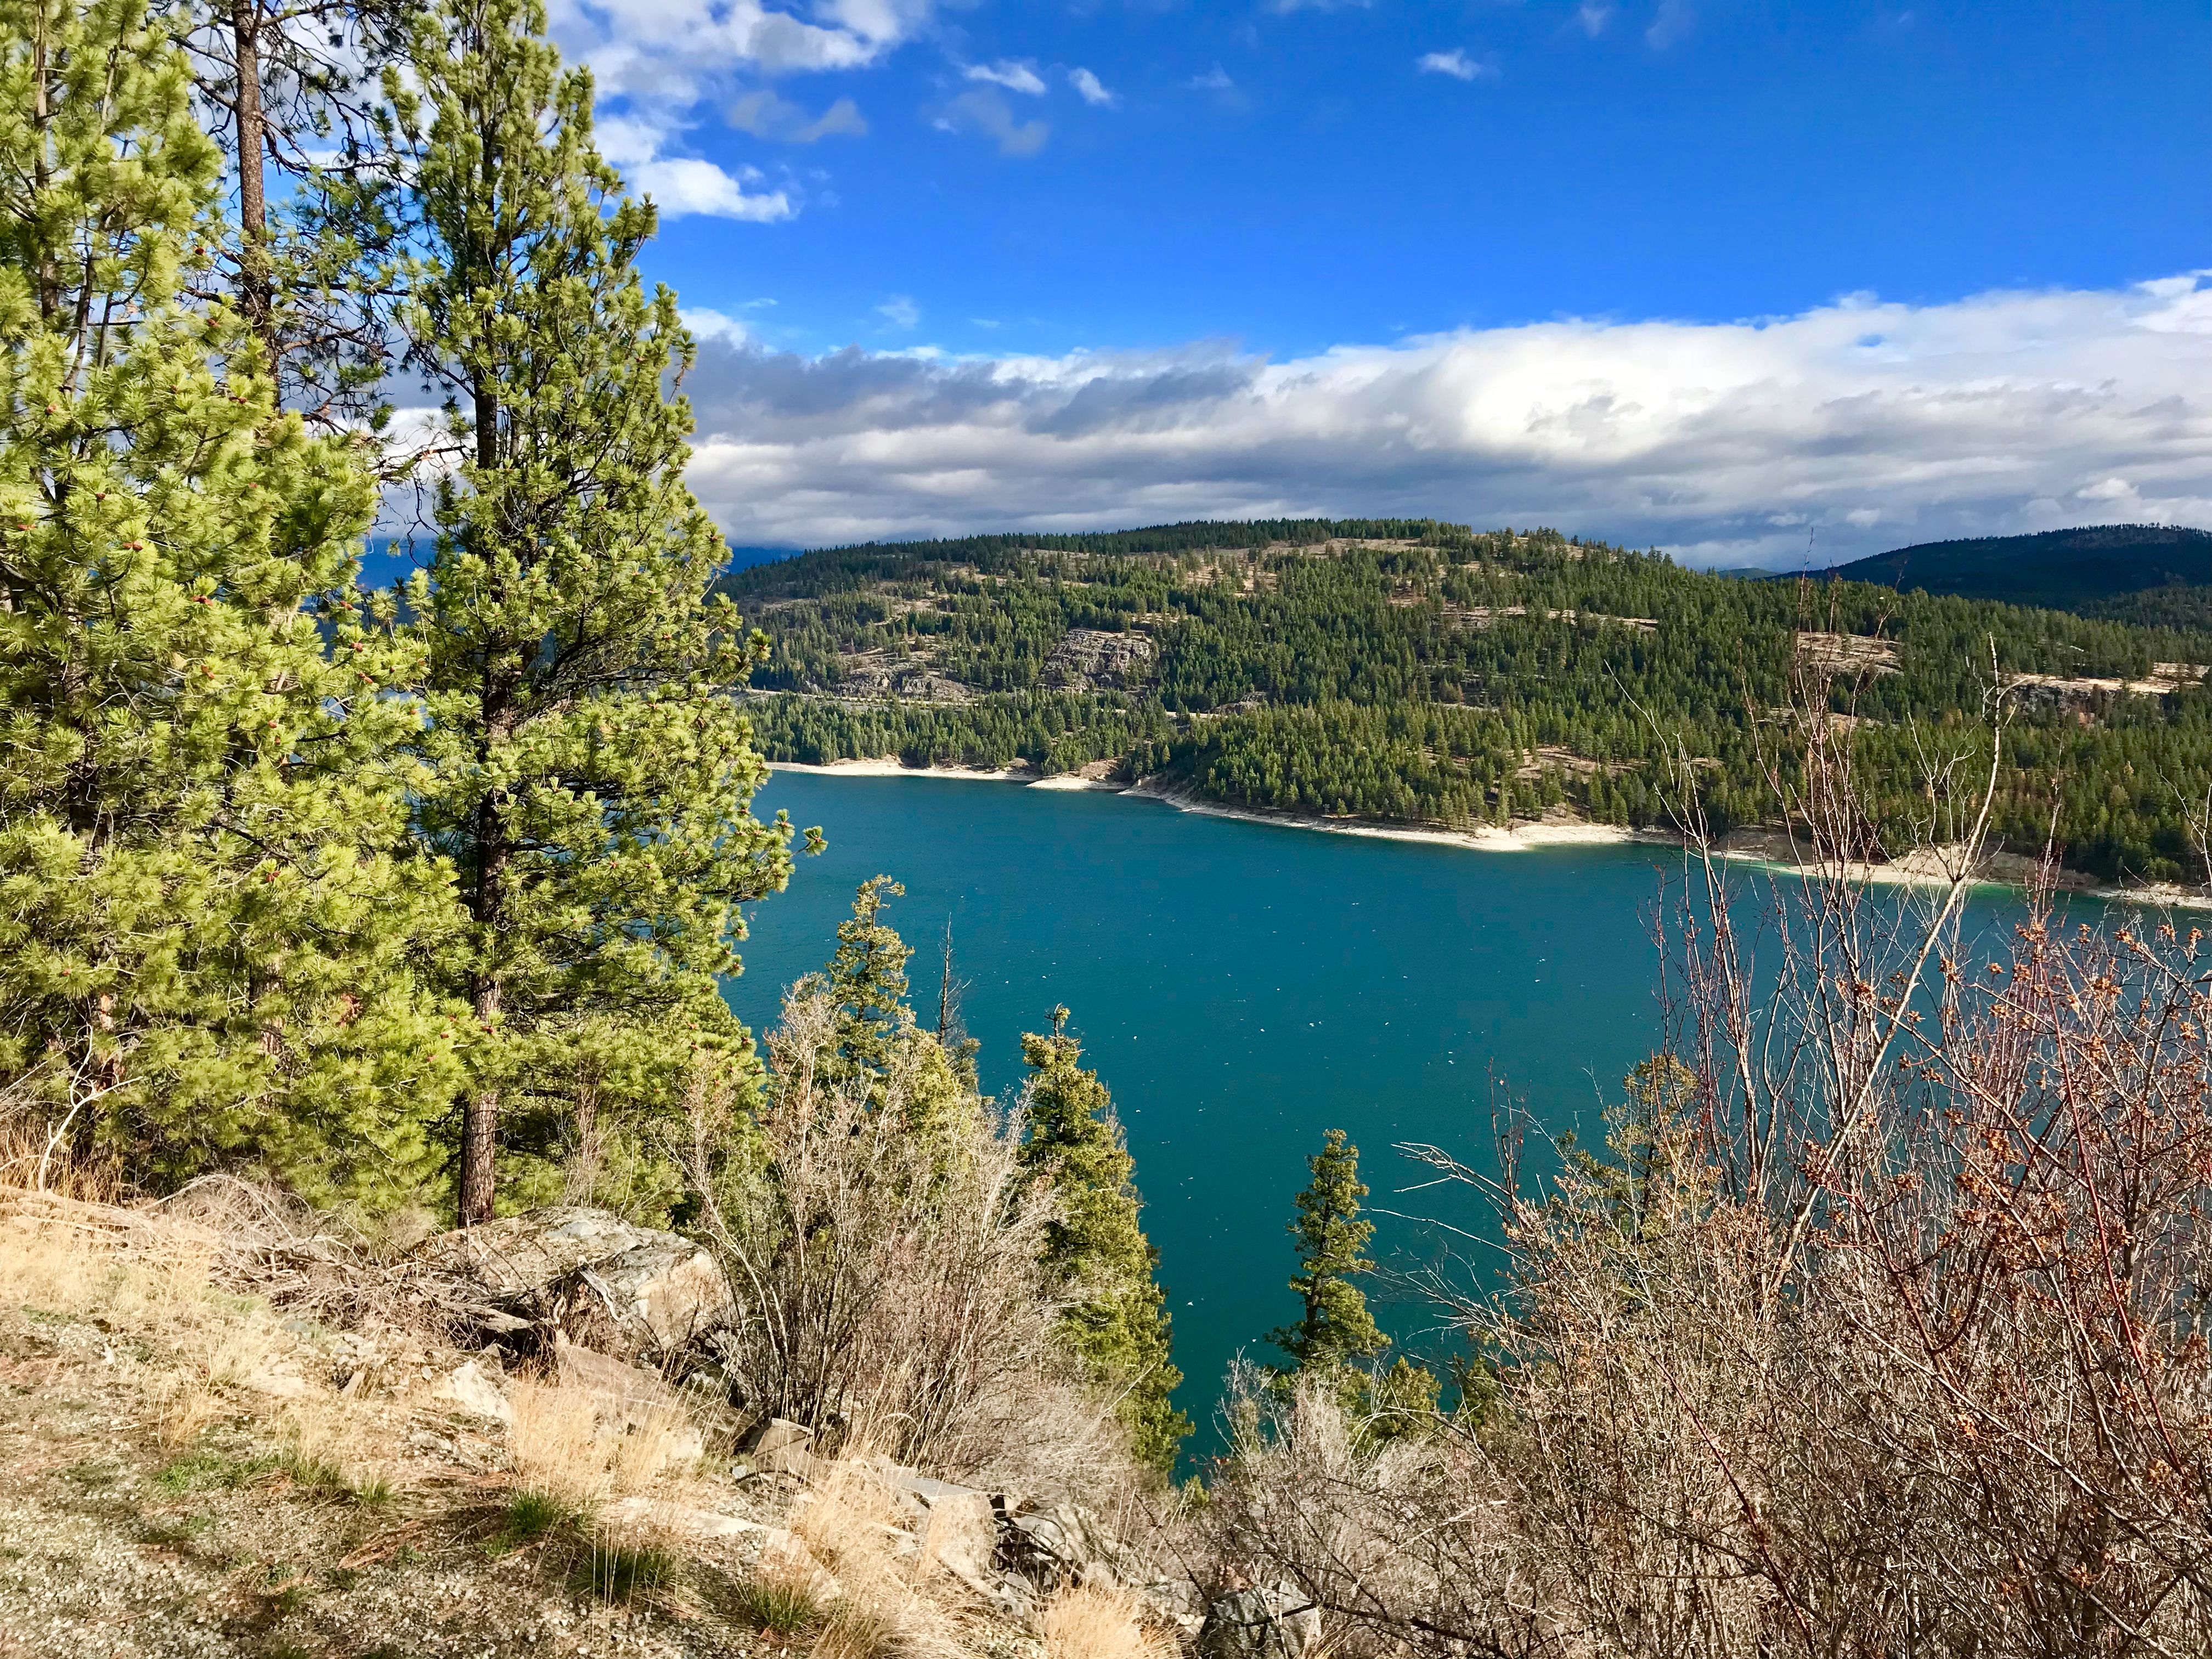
(1098, 1621)
(654, 1449)
(876, 1592)
(562, 1451)
(336, 1443)
(555, 1444)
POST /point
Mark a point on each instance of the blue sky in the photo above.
(993, 263)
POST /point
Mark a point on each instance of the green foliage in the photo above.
(1402, 1401)
(611, 1571)
(867, 977)
(774, 1604)
(206, 945)
(529, 1516)
(1335, 1337)
(2079, 569)
(875, 1029)
(1642, 1178)
(1097, 1248)
(589, 773)
(1334, 1329)
(1424, 672)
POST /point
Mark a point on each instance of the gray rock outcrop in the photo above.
(1260, 1624)
(605, 1284)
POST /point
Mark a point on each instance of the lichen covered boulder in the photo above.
(601, 1281)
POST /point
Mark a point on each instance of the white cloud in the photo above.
(1593, 15)
(682, 185)
(1456, 64)
(764, 115)
(1216, 79)
(900, 312)
(1090, 88)
(984, 111)
(676, 52)
(656, 63)
(1673, 20)
(1014, 77)
(1723, 442)
(706, 324)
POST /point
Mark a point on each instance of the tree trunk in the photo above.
(254, 286)
(480, 1117)
(42, 117)
(480, 1129)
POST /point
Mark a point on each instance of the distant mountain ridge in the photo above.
(2103, 570)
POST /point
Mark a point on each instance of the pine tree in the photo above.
(1335, 1329)
(205, 941)
(867, 977)
(291, 86)
(591, 773)
(1120, 1325)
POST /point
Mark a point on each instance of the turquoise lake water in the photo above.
(1243, 988)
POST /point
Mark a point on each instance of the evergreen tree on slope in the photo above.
(1334, 1329)
(1335, 1336)
(1120, 1325)
(592, 775)
(203, 939)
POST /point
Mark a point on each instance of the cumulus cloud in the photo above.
(675, 52)
(1014, 77)
(707, 324)
(1090, 88)
(684, 186)
(655, 64)
(765, 115)
(1881, 424)
(985, 112)
(1455, 63)
(900, 312)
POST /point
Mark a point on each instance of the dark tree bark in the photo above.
(254, 275)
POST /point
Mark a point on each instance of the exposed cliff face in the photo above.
(1092, 659)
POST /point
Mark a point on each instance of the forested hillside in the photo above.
(1425, 673)
(2155, 575)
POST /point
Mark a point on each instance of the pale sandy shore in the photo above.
(891, 768)
(2002, 870)
(1521, 838)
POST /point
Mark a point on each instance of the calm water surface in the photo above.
(1243, 988)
